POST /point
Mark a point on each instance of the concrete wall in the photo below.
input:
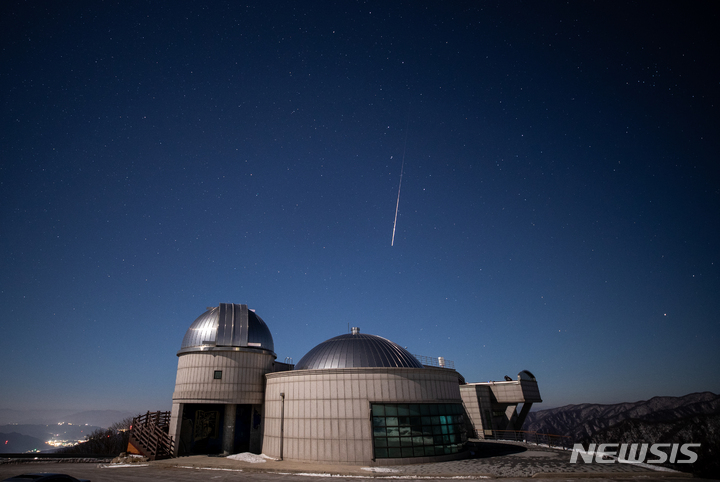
(477, 399)
(175, 425)
(327, 412)
(516, 391)
(493, 405)
(242, 380)
(531, 392)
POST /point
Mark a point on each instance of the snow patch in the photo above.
(379, 469)
(248, 457)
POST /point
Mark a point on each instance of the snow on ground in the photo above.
(379, 469)
(248, 457)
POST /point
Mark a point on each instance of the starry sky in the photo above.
(559, 208)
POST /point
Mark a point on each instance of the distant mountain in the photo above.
(694, 418)
(100, 418)
(702, 429)
(585, 420)
(17, 443)
(46, 432)
(36, 417)
(41, 432)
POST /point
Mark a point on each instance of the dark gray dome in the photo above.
(227, 325)
(357, 350)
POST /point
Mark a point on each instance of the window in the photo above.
(218, 375)
(417, 429)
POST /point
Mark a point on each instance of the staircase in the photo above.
(149, 436)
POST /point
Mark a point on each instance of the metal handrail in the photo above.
(432, 361)
(560, 441)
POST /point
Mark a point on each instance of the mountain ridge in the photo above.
(99, 418)
(581, 421)
(692, 418)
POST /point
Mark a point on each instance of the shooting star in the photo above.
(402, 167)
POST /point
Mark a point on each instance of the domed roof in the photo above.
(227, 325)
(357, 350)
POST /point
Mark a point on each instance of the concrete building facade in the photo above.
(492, 406)
(328, 415)
(220, 383)
(353, 399)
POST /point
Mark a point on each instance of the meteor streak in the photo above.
(402, 167)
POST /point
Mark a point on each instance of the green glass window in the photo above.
(417, 429)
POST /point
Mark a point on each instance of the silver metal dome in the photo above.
(228, 325)
(357, 350)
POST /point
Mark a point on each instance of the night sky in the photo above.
(559, 210)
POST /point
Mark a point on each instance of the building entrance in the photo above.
(202, 429)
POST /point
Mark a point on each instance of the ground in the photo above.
(509, 461)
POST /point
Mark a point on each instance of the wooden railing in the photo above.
(149, 434)
(156, 418)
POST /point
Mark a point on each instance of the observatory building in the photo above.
(354, 399)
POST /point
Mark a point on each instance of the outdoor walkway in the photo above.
(487, 459)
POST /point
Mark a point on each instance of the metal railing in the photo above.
(432, 361)
(556, 441)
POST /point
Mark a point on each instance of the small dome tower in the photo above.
(220, 382)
